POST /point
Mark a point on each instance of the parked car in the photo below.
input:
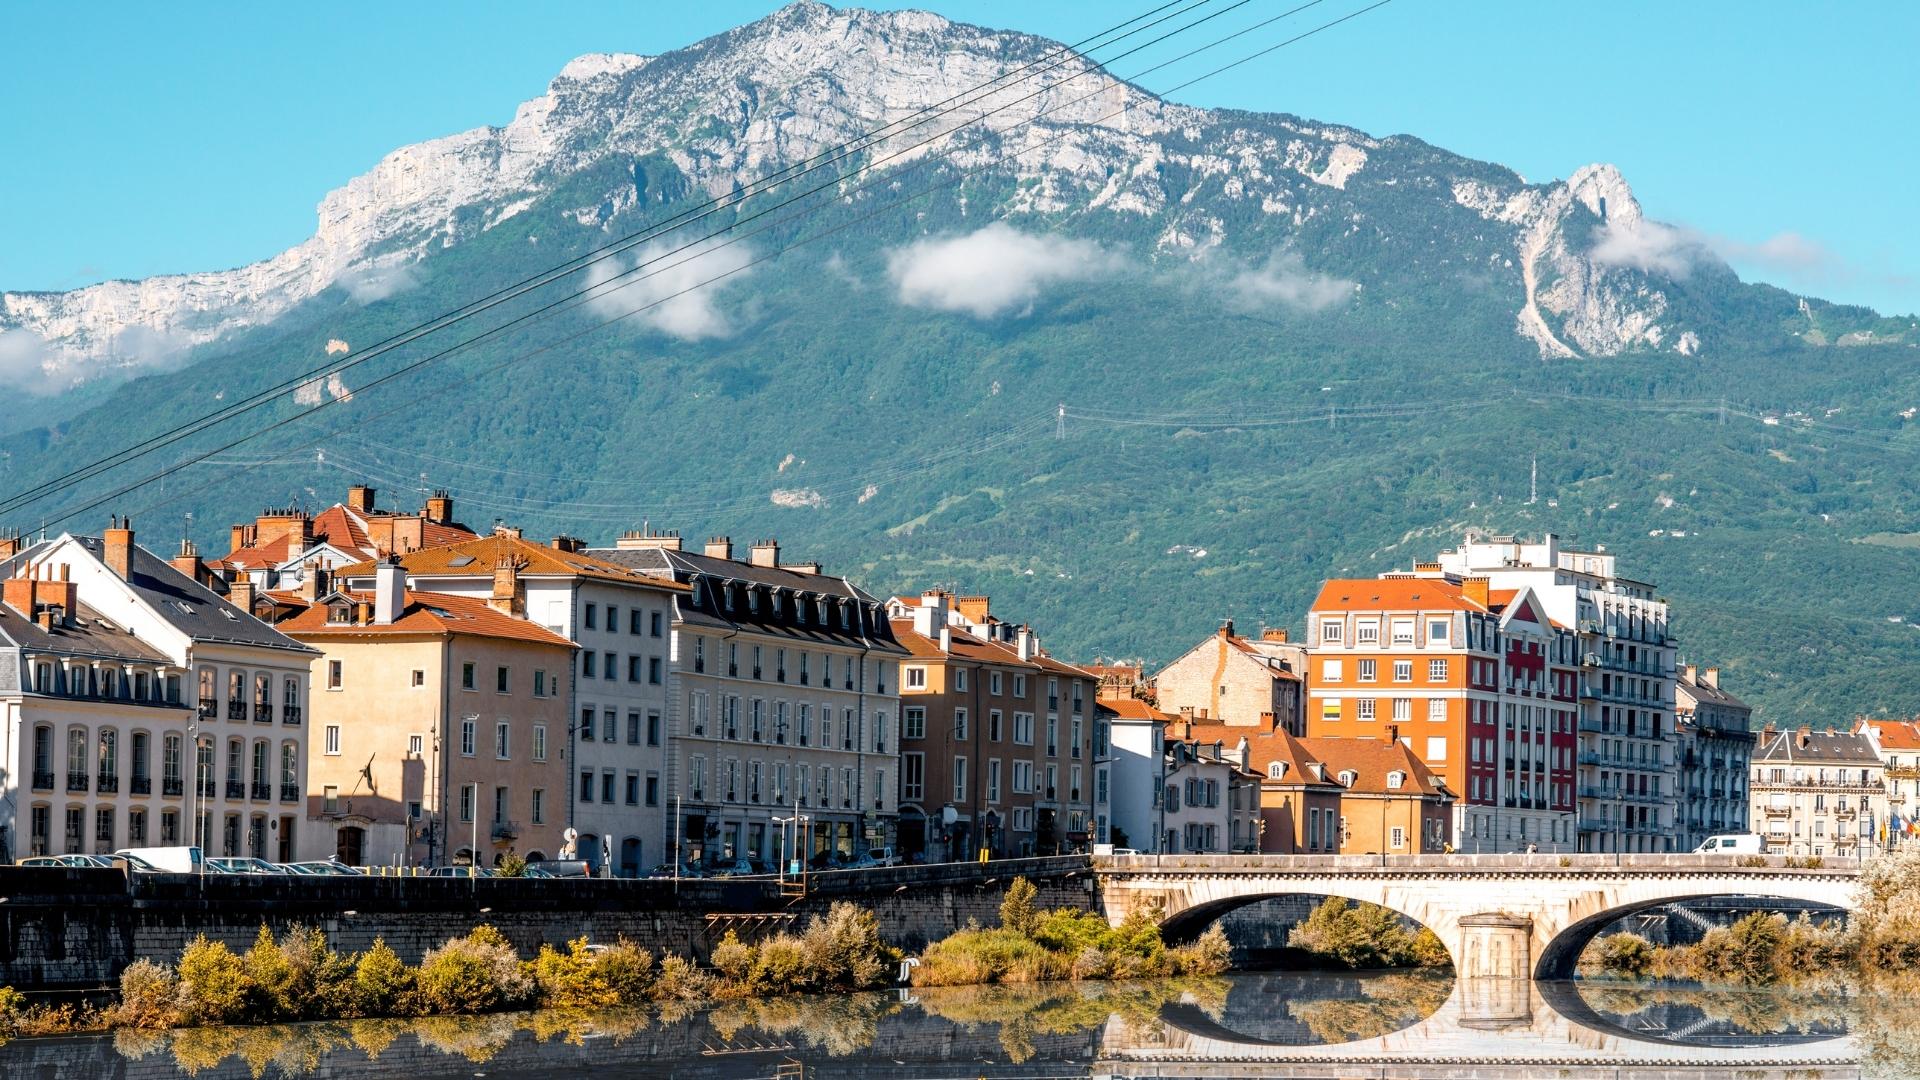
(739, 867)
(319, 868)
(43, 860)
(171, 860)
(666, 870)
(827, 860)
(1128, 851)
(462, 871)
(559, 868)
(883, 856)
(1732, 844)
(243, 864)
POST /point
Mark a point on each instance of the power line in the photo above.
(958, 176)
(685, 217)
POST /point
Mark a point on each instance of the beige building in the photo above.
(1229, 679)
(439, 726)
(1818, 793)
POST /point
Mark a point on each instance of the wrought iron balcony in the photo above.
(173, 786)
(141, 785)
(42, 781)
(289, 792)
(262, 713)
(76, 781)
(236, 710)
(236, 789)
(262, 791)
(291, 716)
(107, 785)
(209, 708)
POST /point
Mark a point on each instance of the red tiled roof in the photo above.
(1371, 760)
(1133, 709)
(425, 613)
(1392, 594)
(1264, 747)
(1894, 734)
(478, 556)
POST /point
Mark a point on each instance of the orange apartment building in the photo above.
(1479, 684)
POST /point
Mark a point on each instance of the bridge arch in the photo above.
(1178, 927)
(1559, 953)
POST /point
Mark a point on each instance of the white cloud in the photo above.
(993, 271)
(690, 315)
(26, 362)
(367, 284)
(1285, 280)
(1649, 247)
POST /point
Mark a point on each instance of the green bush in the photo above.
(844, 949)
(1016, 907)
(780, 966)
(214, 988)
(627, 971)
(382, 983)
(680, 981)
(473, 974)
(732, 958)
(1626, 955)
(1355, 935)
(1210, 954)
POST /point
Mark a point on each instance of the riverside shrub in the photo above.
(1354, 935)
(214, 988)
(382, 982)
(149, 997)
(476, 973)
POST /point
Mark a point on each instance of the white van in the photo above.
(170, 860)
(1732, 844)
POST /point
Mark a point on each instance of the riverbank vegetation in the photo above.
(1879, 942)
(1031, 945)
(1358, 936)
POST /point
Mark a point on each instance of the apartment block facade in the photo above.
(1001, 748)
(1625, 652)
(144, 708)
(1238, 681)
(1478, 684)
(440, 722)
(1818, 793)
(784, 719)
(1713, 757)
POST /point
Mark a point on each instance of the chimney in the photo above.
(644, 539)
(1687, 673)
(1474, 590)
(1274, 633)
(719, 547)
(946, 638)
(1802, 737)
(17, 591)
(506, 586)
(117, 547)
(931, 615)
(438, 509)
(569, 544)
(1024, 643)
(974, 609)
(389, 592)
(766, 553)
(45, 619)
(9, 544)
(1393, 734)
(237, 537)
(188, 563)
(360, 499)
(1226, 628)
(1711, 677)
(240, 593)
(313, 583)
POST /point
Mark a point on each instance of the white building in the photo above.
(1627, 771)
(138, 703)
(619, 687)
(785, 705)
(1178, 797)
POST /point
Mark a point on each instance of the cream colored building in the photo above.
(1818, 793)
(440, 724)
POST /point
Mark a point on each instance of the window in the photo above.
(1366, 670)
(993, 683)
(993, 780)
(538, 806)
(653, 789)
(960, 680)
(1396, 779)
(1367, 632)
(334, 677)
(1398, 836)
(1437, 748)
(586, 785)
(466, 802)
(1436, 631)
(586, 724)
(539, 683)
(653, 727)
(655, 673)
(1019, 686)
(593, 616)
(539, 742)
(634, 665)
(1330, 632)
(1023, 728)
(633, 727)
(1436, 671)
(1437, 709)
(633, 789)
(1402, 710)
(1330, 671)
(333, 738)
(608, 671)
(502, 744)
(500, 801)
(588, 664)
(466, 738)
(1403, 671)
(959, 779)
(993, 725)
(415, 743)
(1403, 631)
(1276, 770)
(916, 678)
(610, 726)
(913, 775)
(913, 723)
(655, 623)
(1366, 708)
(466, 675)
(959, 725)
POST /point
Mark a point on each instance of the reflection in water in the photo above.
(1313, 1024)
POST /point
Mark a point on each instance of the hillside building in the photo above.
(143, 708)
(1002, 750)
(1818, 793)
(1713, 757)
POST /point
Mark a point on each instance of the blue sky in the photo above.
(154, 138)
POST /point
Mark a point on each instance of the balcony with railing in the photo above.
(42, 781)
(107, 784)
(1777, 811)
(173, 786)
(290, 716)
(76, 782)
(505, 830)
(262, 713)
(289, 792)
(236, 710)
(209, 708)
(236, 789)
(262, 791)
(141, 785)
(209, 788)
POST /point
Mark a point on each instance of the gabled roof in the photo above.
(1264, 748)
(1807, 747)
(1893, 734)
(1702, 692)
(965, 647)
(1393, 594)
(710, 581)
(181, 602)
(1371, 760)
(423, 613)
(85, 633)
(1132, 709)
(478, 557)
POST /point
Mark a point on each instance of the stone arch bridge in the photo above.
(1503, 916)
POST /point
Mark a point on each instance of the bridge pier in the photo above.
(1495, 945)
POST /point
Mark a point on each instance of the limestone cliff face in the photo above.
(808, 78)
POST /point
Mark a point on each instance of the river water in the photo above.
(1390, 1026)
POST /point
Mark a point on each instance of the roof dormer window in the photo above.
(1276, 770)
(1395, 779)
(1347, 777)
(339, 613)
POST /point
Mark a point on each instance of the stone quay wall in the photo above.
(67, 929)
